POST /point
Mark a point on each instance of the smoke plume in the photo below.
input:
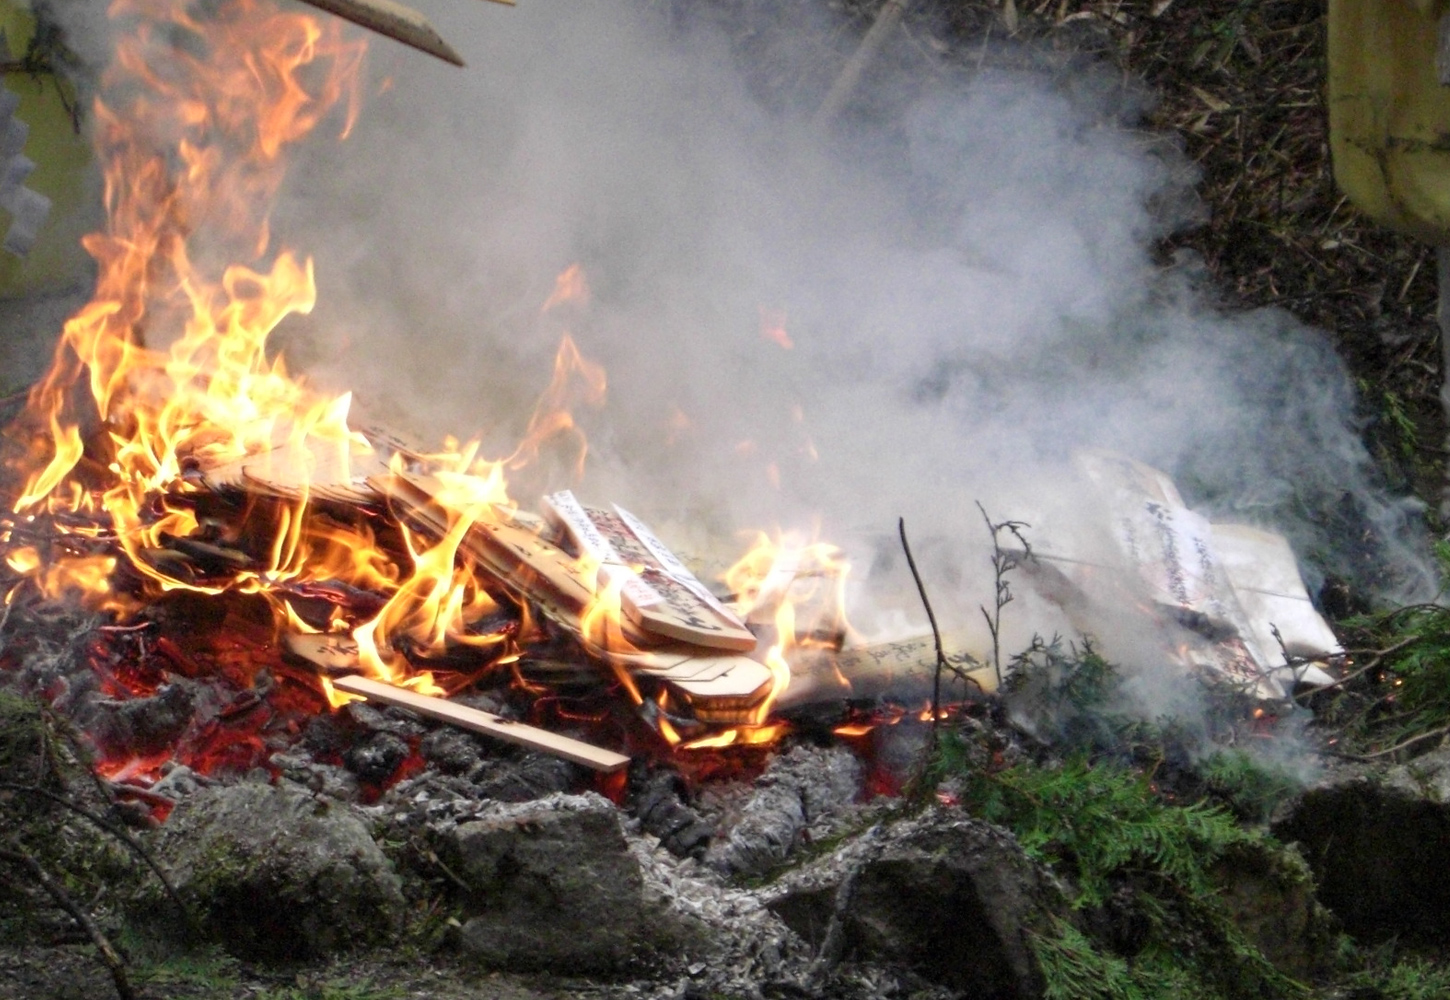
(931, 302)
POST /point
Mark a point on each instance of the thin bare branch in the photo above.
(120, 834)
(1441, 731)
(114, 962)
(941, 656)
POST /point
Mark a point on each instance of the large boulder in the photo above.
(952, 898)
(554, 884)
(1379, 846)
(275, 874)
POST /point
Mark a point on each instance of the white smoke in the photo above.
(961, 267)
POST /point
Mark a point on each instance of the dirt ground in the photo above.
(72, 973)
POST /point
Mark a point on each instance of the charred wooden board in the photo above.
(504, 547)
(510, 548)
(293, 470)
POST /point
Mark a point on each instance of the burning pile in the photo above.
(169, 463)
(229, 522)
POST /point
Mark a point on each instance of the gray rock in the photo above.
(1379, 847)
(951, 898)
(1269, 894)
(799, 790)
(553, 884)
(273, 873)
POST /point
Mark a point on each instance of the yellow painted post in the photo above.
(1389, 125)
(64, 173)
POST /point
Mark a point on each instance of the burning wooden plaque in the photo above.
(656, 591)
(292, 470)
(513, 551)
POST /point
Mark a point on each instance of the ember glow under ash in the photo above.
(170, 459)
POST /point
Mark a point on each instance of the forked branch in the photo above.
(1004, 561)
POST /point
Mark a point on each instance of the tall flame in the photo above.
(191, 146)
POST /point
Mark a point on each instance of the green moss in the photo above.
(1075, 968)
(1138, 862)
(209, 969)
(1247, 785)
(24, 741)
(333, 990)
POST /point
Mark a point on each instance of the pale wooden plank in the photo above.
(330, 652)
(487, 723)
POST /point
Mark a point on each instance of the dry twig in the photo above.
(122, 835)
(114, 962)
(941, 656)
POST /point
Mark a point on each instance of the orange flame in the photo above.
(772, 328)
(190, 137)
(569, 287)
(165, 373)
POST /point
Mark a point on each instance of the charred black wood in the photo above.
(451, 751)
(144, 725)
(660, 801)
(376, 758)
(527, 777)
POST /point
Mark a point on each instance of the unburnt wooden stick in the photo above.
(849, 78)
(403, 24)
(487, 723)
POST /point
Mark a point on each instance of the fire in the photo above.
(165, 377)
(569, 287)
(783, 582)
(166, 370)
(174, 353)
(772, 328)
